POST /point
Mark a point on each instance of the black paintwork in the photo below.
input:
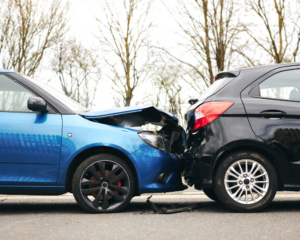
(37, 104)
(248, 125)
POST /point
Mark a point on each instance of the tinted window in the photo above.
(284, 85)
(216, 86)
(13, 97)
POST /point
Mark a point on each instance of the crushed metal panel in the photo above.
(132, 116)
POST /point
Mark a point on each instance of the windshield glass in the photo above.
(70, 103)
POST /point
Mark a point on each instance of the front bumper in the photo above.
(150, 163)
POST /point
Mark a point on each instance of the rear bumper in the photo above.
(203, 146)
(211, 143)
(199, 173)
(150, 162)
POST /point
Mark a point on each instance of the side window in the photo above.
(13, 96)
(284, 85)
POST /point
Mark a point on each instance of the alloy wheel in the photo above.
(104, 185)
(246, 181)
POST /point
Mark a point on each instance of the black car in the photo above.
(243, 136)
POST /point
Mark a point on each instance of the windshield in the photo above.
(70, 103)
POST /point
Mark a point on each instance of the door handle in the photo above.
(273, 114)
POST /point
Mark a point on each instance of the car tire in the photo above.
(103, 183)
(210, 193)
(245, 182)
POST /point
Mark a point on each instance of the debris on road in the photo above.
(174, 208)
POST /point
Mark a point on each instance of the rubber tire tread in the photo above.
(210, 193)
(222, 194)
(82, 167)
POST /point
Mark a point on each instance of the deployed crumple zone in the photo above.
(172, 134)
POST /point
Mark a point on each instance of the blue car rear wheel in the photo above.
(103, 183)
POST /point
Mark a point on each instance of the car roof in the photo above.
(6, 71)
(271, 66)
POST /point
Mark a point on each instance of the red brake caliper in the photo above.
(118, 183)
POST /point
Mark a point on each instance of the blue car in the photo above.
(50, 145)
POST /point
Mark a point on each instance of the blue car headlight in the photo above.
(155, 141)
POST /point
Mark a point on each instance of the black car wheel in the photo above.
(245, 182)
(209, 192)
(103, 183)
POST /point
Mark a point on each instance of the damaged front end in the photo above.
(169, 138)
(160, 164)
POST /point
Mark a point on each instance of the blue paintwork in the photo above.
(120, 111)
(87, 134)
(30, 146)
(149, 162)
(35, 151)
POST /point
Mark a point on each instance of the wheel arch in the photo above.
(93, 151)
(260, 148)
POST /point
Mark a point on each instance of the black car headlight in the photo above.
(155, 141)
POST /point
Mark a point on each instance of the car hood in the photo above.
(132, 116)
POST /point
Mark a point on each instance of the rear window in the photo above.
(216, 86)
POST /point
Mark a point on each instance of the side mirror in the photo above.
(193, 101)
(37, 104)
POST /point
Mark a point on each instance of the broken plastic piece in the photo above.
(174, 209)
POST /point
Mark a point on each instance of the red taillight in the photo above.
(208, 112)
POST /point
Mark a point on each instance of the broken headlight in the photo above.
(155, 141)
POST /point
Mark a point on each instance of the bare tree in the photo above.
(167, 87)
(209, 30)
(124, 32)
(78, 70)
(28, 29)
(282, 36)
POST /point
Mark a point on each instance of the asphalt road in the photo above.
(27, 217)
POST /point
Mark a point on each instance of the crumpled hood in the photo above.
(132, 116)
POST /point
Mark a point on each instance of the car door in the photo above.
(30, 142)
(272, 104)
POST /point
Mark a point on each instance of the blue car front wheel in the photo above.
(103, 183)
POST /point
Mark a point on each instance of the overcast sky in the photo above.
(84, 26)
